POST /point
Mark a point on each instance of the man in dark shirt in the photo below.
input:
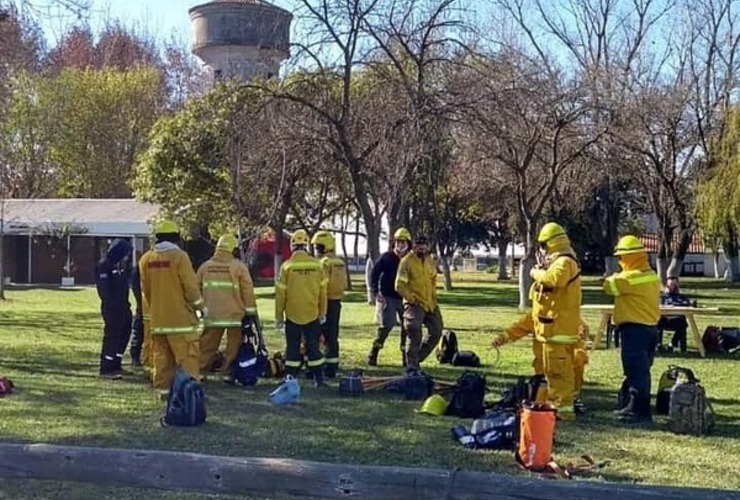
(676, 324)
(388, 303)
(112, 279)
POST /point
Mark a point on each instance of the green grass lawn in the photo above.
(50, 342)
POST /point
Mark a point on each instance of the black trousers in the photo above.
(116, 334)
(310, 333)
(331, 336)
(638, 353)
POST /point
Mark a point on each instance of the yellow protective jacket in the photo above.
(525, 326)
(416, 281)
(300, 294)
(636, 291)
(227, 290)
(170, 288)
(556, 299)
(336, 273)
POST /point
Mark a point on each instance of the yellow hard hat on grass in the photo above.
(434, 405)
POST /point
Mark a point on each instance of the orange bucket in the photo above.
(536, 435)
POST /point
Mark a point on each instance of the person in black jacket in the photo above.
(112, 278)
(388, 303)
(678, 324)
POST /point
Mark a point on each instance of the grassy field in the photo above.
(50, 342)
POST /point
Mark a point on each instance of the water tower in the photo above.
(241, 39)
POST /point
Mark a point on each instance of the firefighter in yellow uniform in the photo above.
(300, 307)
(336, 275)
(416, 282)
(636, 291)
(228, 292)
(524, 327)
(170, 288)
(556, 316)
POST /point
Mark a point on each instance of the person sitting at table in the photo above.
(676, 324)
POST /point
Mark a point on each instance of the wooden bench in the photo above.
(607, 310)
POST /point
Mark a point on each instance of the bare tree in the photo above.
(531, 127)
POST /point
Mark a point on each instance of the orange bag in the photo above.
(536, 434)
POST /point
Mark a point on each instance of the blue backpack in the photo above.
(186, 403)
(252, 360)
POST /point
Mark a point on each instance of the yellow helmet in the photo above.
(550, 231)
(227, 243)
(299, 238)
(628, 245)
(434, 405)
(166, 227)
(402, 234)
(324, 238)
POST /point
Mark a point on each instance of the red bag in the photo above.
(6, 386)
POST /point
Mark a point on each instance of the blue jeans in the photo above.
(638, 352)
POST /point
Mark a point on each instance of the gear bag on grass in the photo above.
(536, 435)
(689, 409)
(467, 396)
(499, 430)
(447, 347)
(252, 359)
(186, 403)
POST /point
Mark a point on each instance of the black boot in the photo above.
(640, 413)
(318, 378)
(372, 356)
(630, 407)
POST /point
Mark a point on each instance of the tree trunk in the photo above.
(715, 259)
(661, 261)
(368, 272)
(343, 239)
(526, 265)
(679, 255)
(503, 246)
(445, 264)
(2, 251)
(356, 247)
(732, 257)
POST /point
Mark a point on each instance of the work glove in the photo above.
(499, 341)
(322, 319)
(279, 324)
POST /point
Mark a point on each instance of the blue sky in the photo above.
(163, 18)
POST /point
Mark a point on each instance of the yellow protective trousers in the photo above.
(210, 342)
(580, 360)
(558, 362)
(146, 346)
(169, 351)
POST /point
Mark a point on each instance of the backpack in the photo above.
(689, 410)
(466, 358)
(729, 339)
(467, 396)
(416, 385)
(667, 381)
(447, 347)
(251, 362)
(186, 403)
(711, 340)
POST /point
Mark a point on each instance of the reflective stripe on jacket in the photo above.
(227, 289)
(636, 296)
(300, 294)
(169, 290)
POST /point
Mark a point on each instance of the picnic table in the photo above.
(607, 310)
